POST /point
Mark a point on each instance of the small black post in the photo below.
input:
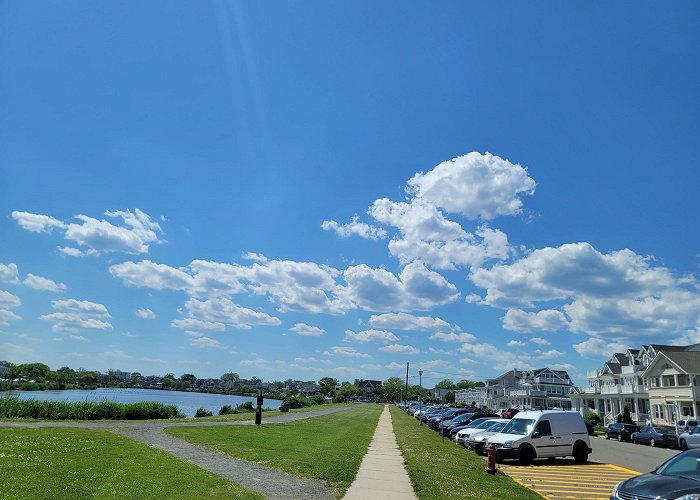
(258, 412)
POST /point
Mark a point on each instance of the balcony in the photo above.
(527, 392)
(611, 389)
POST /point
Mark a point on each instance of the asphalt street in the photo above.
(636, 457)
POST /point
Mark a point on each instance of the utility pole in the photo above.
(406, 400)
(420, 382)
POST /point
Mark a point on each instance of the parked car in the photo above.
(545, 434)
(446, 414)
(447, 425)
(480, 425)
(472, 421)
(656, 435)
(690, 439)
(678, 477)
(621, 432)
(477, 441)
(685, 425)
(509, 413)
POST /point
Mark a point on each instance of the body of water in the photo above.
(187, 402)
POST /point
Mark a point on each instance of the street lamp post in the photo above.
(420, 383)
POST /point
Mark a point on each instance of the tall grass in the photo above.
(11, 407)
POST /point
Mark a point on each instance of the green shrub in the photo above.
(318, 399)
(245, 406)
(227, 410)
(201, 412)
(12, 407)
(593, 418)
(297, 402)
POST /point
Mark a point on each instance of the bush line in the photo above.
(11, 407)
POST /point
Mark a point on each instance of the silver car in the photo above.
(690, 439)
(477, 442)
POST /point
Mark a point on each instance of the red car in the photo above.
(509, 413)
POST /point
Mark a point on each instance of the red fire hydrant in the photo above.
(490, 459)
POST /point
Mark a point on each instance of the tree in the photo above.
(393, 388)
(416, 392)
(231, 377)
(450, 397)
(446, 384)
(136, 378)
(32, 371)
(327, 386)
(346, 392)
(188, 379)
(468, 384)
(255, 380)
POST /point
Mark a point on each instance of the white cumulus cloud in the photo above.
(73, 315)
(307, 330)
(370, 336)
(400, 349)
(405, 321)
(475, 185)
(133, 235)
(349, 352)
(145, 313)
(354, 228)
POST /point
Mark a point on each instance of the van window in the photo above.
(543, 428)
(520, 426)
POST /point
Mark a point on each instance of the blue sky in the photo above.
(309, 189)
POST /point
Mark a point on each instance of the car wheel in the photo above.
(652, 442)
(581, 454)
(606, 436)
(684, 445)
(619, 438)
(526, 456)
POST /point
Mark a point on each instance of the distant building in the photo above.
(543, 388)
(368, 387)
(657, 383)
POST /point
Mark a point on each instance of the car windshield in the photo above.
(477, 421)
(497, 427)
(485, 425)
(519, 426)
(461, 418)
(682, 465)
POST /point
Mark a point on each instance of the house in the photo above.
(674, 385)
(626, 381)
(368, 387)
(543, 388)
(481, 397)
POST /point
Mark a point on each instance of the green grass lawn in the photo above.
(62, 463)
(266, 414)
(330, 447)
(441, 470)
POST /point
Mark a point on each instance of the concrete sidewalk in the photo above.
(382, 475)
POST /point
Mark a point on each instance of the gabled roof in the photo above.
(685, 361)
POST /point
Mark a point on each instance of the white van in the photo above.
(543, 434)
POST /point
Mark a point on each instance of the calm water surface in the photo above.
(187, 402)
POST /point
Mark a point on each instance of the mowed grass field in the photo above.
(63, 463)
(440, 470)
(329, 447)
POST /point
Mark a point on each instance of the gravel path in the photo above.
(272, 483)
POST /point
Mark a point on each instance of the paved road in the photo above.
(610, 462)
(636, 457)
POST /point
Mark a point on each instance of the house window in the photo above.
(657, 411)
(683, 380)
(668, 381)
